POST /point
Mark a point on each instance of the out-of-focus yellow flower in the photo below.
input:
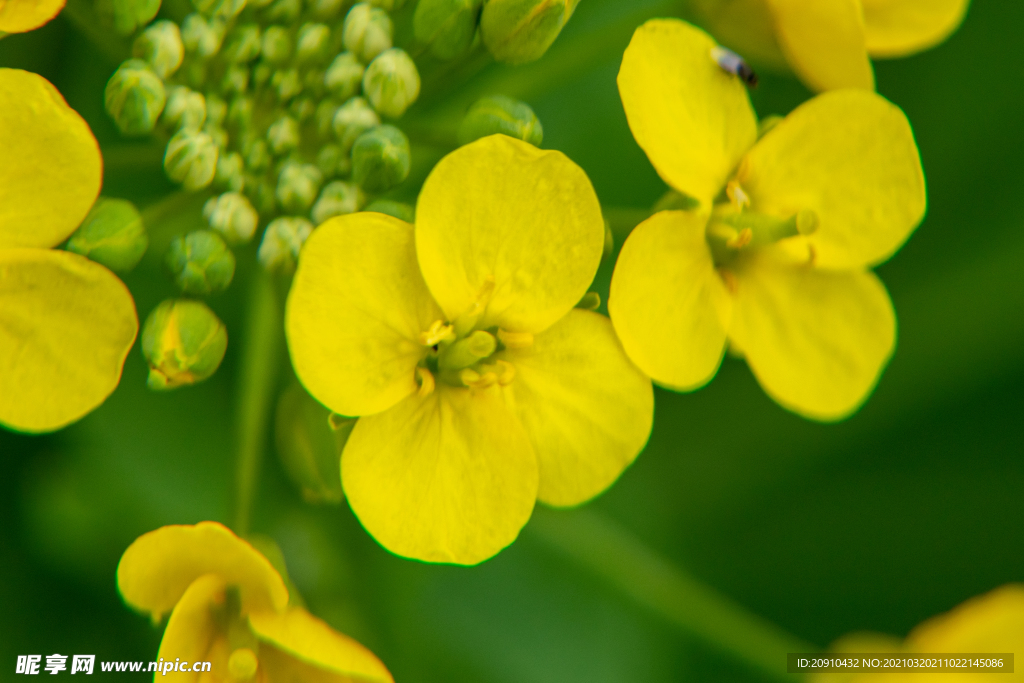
(66, 323)
(988, 624)
(774, 260)
(230, 607)
(19, 16)
(829, 44)
(480, 387)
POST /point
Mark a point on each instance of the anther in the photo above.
(426, 382)
(468, 320)
(475, 380)
(515, 340)
(742, 239)
(504, 371)
(737, 195)
(438, 332)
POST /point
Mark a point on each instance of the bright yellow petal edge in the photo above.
(897, 28)
(19, 16)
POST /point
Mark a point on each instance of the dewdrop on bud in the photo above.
(344, 76)
(232, 216)
(112, 234)
(134, 97)
(313, 44)
(283, 135)
(500, 114)
(399, 210)
(183, 342)
(352, 119)
(185, 109)
(297, 186)
(160, 45)
(202, 36)
(127, 16)
(367, 31)
(337, 199)
(243, 43)
(447, 26)
(200, 263)
(191, 159)
(380, 159)
(282, 242)
(520, 31)
(391, 82)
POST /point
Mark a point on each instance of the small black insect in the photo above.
(734, 64)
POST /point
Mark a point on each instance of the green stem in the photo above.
(607, 550)
(260, 348)
(623, 219)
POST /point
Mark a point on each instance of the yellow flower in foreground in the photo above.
(66, 323)
(480, 388)
(230, 607)
(774, 260)
(988, 624)
(830, 43)
(18, 16)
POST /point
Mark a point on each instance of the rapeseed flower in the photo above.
(774, 260)
(230, 607)
(830, 44)
(66, 323)
(480, 388)
(19, 16)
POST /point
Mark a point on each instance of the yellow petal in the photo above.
(692, 119)
(669, 306)
(356, 308)
(446, 478)
(824, 42)
(308, 640)
(586, 408)
(816, 340)
(502, 211)
(18, 16)
(192, 627)
(158, 567)
(849, 156)
(895, 28)
(50, 169)
(993, 622)
(66, 325)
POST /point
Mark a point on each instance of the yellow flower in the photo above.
(66, 323)
(829, 44)
(18, 16)
(230, 607)
(774, 260)
(480, 387)
(988, 624)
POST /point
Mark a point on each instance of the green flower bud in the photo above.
(183, 342)
(520, 31)
(112, 234)
(161, 46)
(283, 135)
(324, 116)
(282, 241)
(380, 158)
(337, 199)
(200, 263)
(240, 112)
(232, 216)
(284, 11)
(388, 5)
(216, 110)
(202, 36)
(367, 31)
(327, 160)
(230, 172)
(287, 83)
(352, 119)
(313, 82)
(447, 26)
(191, 159)
(277, 45)
(135, 97)
(326, 10)
(127, 15)
(236, 79)
(217, 134)
(313, 44)
(500, 114)
(309, 445)
(185, 109)
(243, 43)
(257, 155)
(297, 186)
(227, 9)
(302, 109)
(344, 76)
(261, 74)
(391, 82)
(261, 192)
(399, 210)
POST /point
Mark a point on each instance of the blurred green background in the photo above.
(905, 510)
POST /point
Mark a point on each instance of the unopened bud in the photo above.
(243, 43)
(297, 186)
(257, 155)
(325, 112)
(337, 199)
(134, 97)
(240, 112)
(284, 11)
(191, 159)
(200, 263)
(344, 76)
(400, 210)
(391, 82)
(230, 172)
(160, 45)
(277, 45)
(287, 83)
(112, 234)
(313, 44)
(127, 16)
(225, 9)
(282, 242)
(283, 135)
(367, 31)
(381, 158)
(185, 109)
(302, 108)
(352, 119)
(388, 5)
(520, 31)
(447, 26)
(309, 445)
(183, 342)
(216, 110)
(326, 10)
(232, 216)
(328, 160)
(261, 192)
(236, 79)
(202, 36)
(500, 114)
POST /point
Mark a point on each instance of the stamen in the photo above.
(742, 239)
(515, 340)
(737, 195)
(439, 331)
(503, 370)
(467, 321)
(474, 380)
(426, 382)
(729, 279)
